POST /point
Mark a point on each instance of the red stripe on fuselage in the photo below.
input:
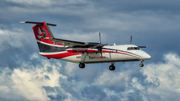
(67, 54)
(60, 55)
(127, 54)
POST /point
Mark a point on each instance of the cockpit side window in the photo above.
(133, 48)
(129, 48)
(136, 48)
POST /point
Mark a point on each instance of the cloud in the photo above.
(28, 83)
(163, 78)
(47, 3)
(93, 93)
(12, 38)
(16, 47)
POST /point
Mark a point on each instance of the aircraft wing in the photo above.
(72, 43)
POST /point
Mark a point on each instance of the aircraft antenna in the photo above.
(100, 46)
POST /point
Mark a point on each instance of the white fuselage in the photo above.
(118, 53)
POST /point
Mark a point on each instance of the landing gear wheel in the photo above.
(141, 65)
(81, 65)
(112, 67)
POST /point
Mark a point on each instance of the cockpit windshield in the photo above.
(133, 48)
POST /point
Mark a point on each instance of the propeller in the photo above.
(99, 46)
(131, 40)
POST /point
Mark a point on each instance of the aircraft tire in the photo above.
(112, 67)
(141, 65)
(81, 65)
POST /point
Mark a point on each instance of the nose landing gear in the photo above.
(141, 65)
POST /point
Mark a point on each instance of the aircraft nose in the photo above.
(146, 56)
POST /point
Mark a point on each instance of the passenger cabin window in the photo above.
(133, 48)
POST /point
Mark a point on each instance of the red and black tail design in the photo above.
(42, 32)
(43, 35)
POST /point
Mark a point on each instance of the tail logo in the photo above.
(42, 33)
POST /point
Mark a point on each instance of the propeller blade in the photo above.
(101, 53)
(100, 50)
(100, 37)
(105, 44)
(99, 46)
(142, 46)
(131, 40)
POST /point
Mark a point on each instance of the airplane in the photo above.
(84, 52)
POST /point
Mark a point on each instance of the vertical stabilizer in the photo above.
(43, 35)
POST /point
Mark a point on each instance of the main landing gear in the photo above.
(141, 65)
(83, 57)
(81, 65)
(112, 67)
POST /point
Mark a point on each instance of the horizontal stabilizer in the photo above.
(30, 22)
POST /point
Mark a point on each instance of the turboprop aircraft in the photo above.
(84, 52)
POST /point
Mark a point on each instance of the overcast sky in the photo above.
(25, 75)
